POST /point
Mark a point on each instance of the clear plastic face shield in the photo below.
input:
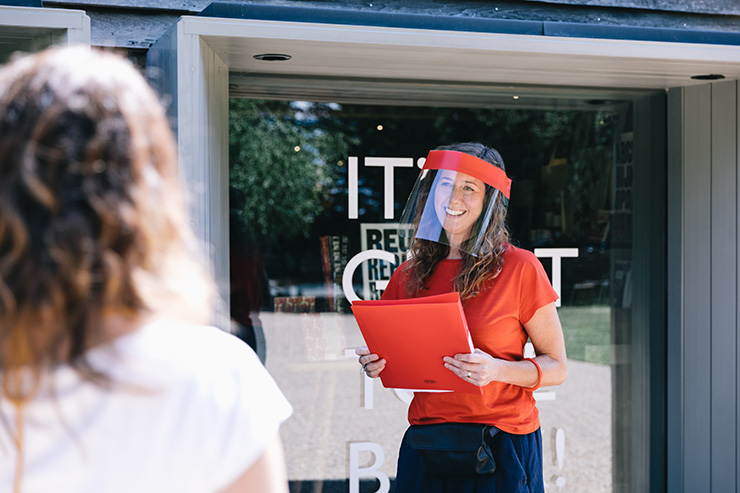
(454, 201)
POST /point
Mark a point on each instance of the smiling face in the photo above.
(458, 201)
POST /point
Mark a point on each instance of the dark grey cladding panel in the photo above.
(601, 31)
(285, 13)
(560, 10)
(723, 7)
(564, 8)
(134, 24)
(21, 3)
(370, 18)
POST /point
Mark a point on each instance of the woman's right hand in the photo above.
(371, 363)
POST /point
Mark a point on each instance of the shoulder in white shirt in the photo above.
(190, 409)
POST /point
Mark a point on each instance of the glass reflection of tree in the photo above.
(282, 176)
(279, 155)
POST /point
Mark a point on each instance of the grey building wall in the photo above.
(137, 24)
(703, 267)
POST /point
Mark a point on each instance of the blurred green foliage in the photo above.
(279, 166)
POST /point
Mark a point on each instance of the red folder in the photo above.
(413, 335)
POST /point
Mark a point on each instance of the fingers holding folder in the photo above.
(371, 363)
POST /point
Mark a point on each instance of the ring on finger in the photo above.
(469, 374)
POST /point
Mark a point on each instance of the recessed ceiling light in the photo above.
(272, 57)
(708, 77)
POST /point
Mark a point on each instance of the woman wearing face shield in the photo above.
(455, 218)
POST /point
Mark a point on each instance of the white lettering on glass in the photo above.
(404, 395)
(559, 455)
(368, 392)
(388, 163)
(556, 254)
(354, 262)
(368, 397)
(372, 471)
(352, 211)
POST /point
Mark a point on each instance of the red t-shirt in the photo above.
(495, 318)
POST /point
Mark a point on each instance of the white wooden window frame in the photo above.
(31, 28)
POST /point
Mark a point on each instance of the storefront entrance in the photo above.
(316, 190)
(673, 405)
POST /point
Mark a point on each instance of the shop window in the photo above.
(314, 185)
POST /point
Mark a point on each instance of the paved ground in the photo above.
(306, 355)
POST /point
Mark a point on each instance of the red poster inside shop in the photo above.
(413, 335)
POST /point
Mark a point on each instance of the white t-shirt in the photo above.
(191, 409)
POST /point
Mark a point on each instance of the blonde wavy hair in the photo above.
(475, 271)
(92, 218)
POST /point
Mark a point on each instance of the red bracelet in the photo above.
(539, 374)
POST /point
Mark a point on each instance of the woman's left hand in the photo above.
(478, 367)
(549, 368)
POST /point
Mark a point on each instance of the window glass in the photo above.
(315, 189)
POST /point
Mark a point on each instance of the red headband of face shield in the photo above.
(470, 165)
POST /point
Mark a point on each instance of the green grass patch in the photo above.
(587, 331)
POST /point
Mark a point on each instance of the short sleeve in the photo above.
(536, 289)
(395, 284)
(249, 409)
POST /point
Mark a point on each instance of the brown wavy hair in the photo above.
(92, 220)
(475, 271)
